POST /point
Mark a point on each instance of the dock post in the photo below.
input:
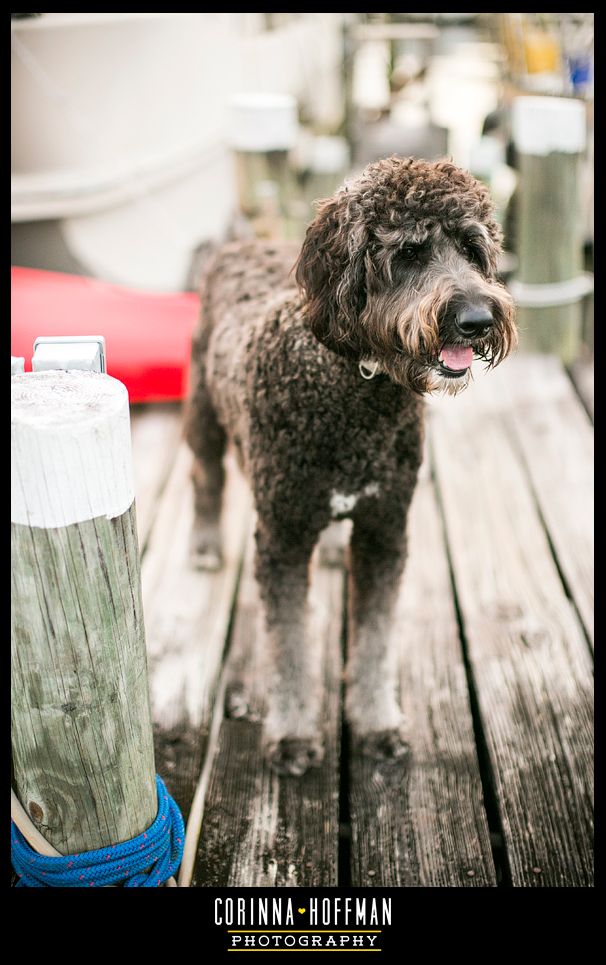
(83, 759)
(549, 134)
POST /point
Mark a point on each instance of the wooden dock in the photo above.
(495, 621)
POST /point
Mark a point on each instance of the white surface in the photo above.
(148, 242)
(463, 88)
(542, 125)
(546, 294)
(370, 82)
(263, 122)
(68, 353)
(70, 448)
(78, 191)
(119, 125)
(487, 154)
(329, 155)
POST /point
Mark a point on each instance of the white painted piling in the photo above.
(549, 134)
(83, 755)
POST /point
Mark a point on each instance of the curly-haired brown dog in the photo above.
(318, 380)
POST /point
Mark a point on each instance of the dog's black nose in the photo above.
(474, 321)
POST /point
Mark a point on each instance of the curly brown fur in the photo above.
(389, 256)
(397, 270)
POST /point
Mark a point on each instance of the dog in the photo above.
(314, 363)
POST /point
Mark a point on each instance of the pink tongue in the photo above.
(456, 356)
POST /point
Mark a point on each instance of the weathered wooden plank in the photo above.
(422, 822)
(529, 658)
(187, 615)
(155, 434)
(583, 376)
(556, 439)
(259, 828)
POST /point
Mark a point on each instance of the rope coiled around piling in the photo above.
(146, 861)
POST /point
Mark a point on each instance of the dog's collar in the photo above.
(368, 368)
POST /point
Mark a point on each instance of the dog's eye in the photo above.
(410, 251)
(471, 253)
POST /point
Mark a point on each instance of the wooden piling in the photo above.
(263, 131)
(83, 758)
(549, 136)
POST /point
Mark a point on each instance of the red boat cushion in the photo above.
(147, 334)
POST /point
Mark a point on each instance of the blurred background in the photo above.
(140, 138)
(139, 141)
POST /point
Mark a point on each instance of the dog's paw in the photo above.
(237, 706)
(384, 745)
(207, 560)
(295, 755)
(205, 550)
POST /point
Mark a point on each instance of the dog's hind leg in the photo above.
(207, 440)
(292, 730)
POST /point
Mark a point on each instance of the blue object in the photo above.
(146, 861)
(580, 72)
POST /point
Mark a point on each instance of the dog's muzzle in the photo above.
(473, 321)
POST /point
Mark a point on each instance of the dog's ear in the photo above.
(331, 272)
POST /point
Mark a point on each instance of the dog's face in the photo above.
(399, 268)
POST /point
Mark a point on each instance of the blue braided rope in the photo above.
(146, 861)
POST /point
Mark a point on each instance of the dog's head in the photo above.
(399, 268)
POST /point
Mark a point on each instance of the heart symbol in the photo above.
(301, 910)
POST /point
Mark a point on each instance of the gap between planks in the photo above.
(526, 648)
(396, 833)
(155, 434)
(582, 373)
(554, 436)
(259, 828)
(187, 619)
(422, 822)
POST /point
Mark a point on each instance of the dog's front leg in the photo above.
(292, 728)
(378, 554)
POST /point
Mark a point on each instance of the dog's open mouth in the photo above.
(454, 361)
